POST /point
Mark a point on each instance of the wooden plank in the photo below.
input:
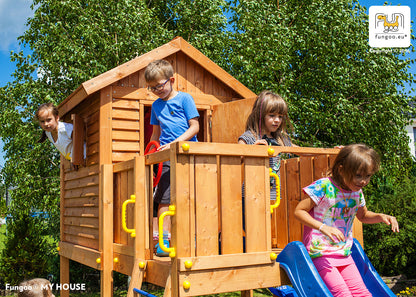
(105, 126)
(127, 125)
(293, 194)
(128, 165)
(231, 205)
(123, 249)
(87, 181)
(206, 189)
(125, 104)
(123, 156)
(281, 218)
(81, 192)
(64, 275)
(142, 129)
(79, 254)
(229, 149)
(124, 264)
(91, 233)
(320, 166)
(141, 208)
(235, 112)
(78, 139)
(126, 114)
(224, 261)
(126, 146)
(137, 276)
(157, 272)
(224, 280)
(82, 201)
(106, 230)
(126, 135)
(257, 206)
(81, 212)
(190, 76)
(132, 206)
(181, 75)
(82, 172)
(128, 68)
(81, 241)
(83, 222)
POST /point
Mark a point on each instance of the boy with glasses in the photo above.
(174, 118)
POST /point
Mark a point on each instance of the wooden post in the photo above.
(63, 261)
(106, 229)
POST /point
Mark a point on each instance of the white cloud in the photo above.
(13, 17)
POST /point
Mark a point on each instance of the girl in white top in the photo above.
(59, 133)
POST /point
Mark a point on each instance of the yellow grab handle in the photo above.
(123, 216)
(277, 179)
(170, 250)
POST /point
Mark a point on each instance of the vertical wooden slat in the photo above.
(123, 197)
(78, 139)
(190, 75)
(141, 207)
(181, 220)
(198, 78)
(257, 205)
(105, 125)
(192, 214)
(131, 206)
(293, 194)
(231, 206)
(181, 72)
(141, 117)
(206, 205)
(306, 178)
(106, 238)
(281, 219)
(320, 166)
(117, 209)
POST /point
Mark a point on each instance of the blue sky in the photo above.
(14, 15)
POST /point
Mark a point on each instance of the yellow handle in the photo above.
(276, 178)
(170, 250)
(123, 216)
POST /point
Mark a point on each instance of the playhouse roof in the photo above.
(178, 44)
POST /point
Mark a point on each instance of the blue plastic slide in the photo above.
(294, 259)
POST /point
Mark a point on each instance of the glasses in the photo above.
(158, 87)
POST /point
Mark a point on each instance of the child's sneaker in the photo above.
(159, 251)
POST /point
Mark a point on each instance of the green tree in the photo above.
(71, 42)
(316, 54)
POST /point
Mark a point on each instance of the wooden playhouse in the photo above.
(106, 205)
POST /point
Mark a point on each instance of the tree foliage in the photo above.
(315, 53)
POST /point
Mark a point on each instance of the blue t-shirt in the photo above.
(173, 116)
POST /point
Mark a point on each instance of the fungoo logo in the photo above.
(389, 26)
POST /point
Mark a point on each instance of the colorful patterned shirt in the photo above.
(336, 208)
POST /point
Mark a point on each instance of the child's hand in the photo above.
(390, 220)
(334, 233)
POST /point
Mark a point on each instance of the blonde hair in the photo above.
(159, 69)
(37, 287)
(268, 102)
(354, 158)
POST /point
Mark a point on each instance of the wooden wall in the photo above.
(80, 189)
